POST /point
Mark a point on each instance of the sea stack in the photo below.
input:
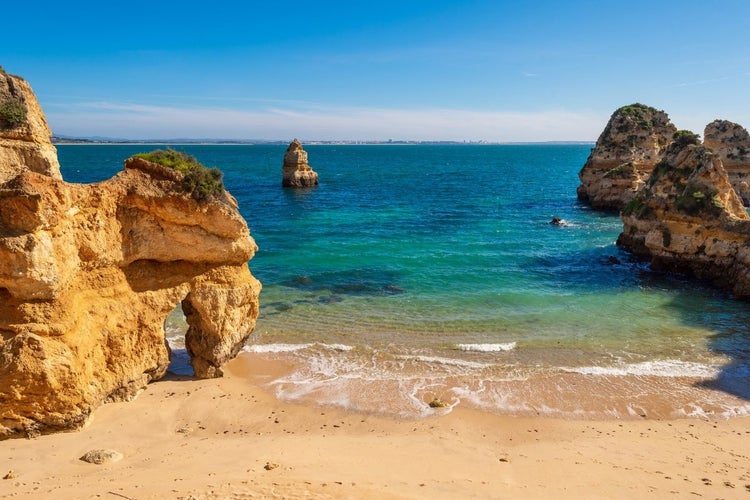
(631, 144)
(89, 274)
(24, 133)
(689, 219)
(731, 144)
(296, 172)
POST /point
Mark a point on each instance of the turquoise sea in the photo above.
(416, 272)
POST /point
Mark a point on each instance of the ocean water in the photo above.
(422, 272)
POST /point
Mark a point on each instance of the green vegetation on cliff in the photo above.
(685, 138)
(12, 109)
(201, 182)
(12, 112)
(697, 199)
(642, 116)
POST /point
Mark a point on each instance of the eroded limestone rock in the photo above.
(88, 276)
(633, 142)
(689, 219)
(296, 172)
(731, 144)
(25, 145)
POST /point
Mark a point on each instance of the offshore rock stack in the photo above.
(731, 143)
(625, 154)
(296, 172)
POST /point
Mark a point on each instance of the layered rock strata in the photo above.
(731, 144)
(24, 144)
(633, 142)
(689, 219)
(296, 172)
(88, 276)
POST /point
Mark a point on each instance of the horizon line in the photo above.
(72, 140)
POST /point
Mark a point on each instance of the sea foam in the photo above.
(487, 347)
(657, 368)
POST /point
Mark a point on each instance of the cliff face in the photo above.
(688, 218)
(731, 144)
(296, 172)
(633, 142)
(25, 142)
(88, 276)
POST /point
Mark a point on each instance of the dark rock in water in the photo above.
(303, 280)
(557, 221)
(613, 260)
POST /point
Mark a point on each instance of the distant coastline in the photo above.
(64, 140)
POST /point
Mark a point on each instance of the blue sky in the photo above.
(411, 69)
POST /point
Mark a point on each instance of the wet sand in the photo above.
(229, 438)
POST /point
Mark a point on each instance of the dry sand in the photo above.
(227, 438)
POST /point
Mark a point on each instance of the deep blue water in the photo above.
(438, 265)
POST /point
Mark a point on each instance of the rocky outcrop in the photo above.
(689, 219)
(731, 144)
(24, 133)
(633, 142)
(89, 274)
(296, 172)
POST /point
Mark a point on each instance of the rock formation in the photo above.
(88, 276)
(689, 219)
(296, 172)
(731, 144)
(625, 153)
(24, 133)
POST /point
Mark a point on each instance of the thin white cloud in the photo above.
(529, 75)
(139, 121)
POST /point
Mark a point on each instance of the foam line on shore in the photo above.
(508, 346)
(658, 368)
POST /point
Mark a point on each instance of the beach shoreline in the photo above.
(231, 438)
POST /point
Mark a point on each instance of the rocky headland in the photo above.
(682, 208)
(626, 152)
(89, 274)
(689, 219)
(296, 172)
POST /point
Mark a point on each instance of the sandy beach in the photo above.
(228, 438)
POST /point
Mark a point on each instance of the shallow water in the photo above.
(419, 272)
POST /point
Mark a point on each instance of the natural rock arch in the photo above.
(88, 275)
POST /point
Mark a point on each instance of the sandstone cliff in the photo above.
(296, 172)
(731, 144)
(625, 153)
(24, 133)
(89, 274)
(688, 218)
